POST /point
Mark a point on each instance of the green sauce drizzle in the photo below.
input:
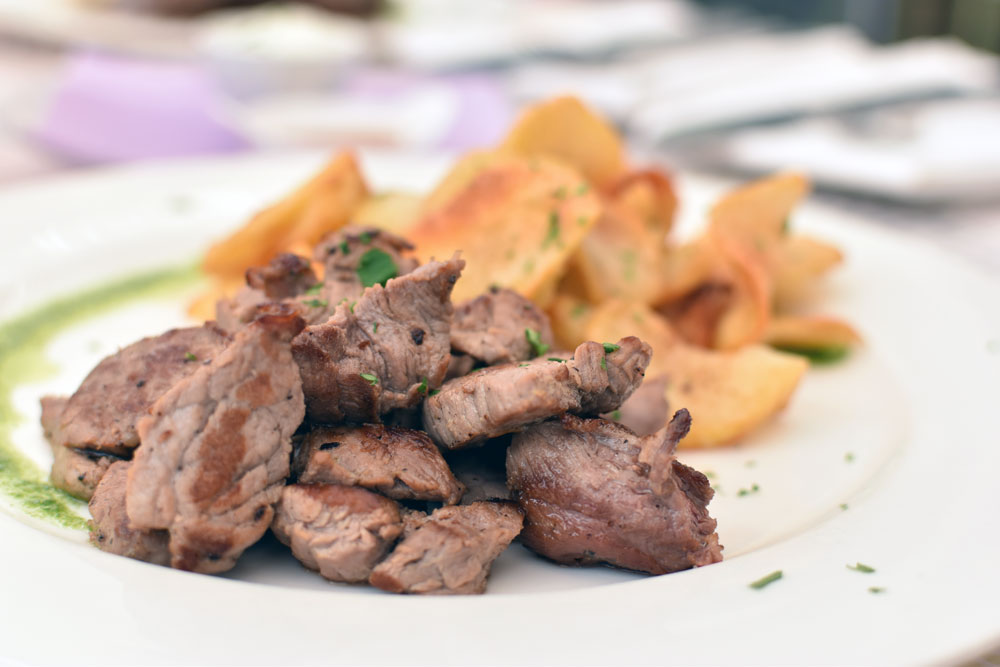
(22, 359)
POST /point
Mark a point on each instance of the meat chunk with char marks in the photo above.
(397, 462)
(342, 254)
(340, 531)
(112, 531)
(504, 399)
(594, 492)
(491, 327)
(286, 276)
(102, 414)
(216, 448)
(383, 353)
(449, 552)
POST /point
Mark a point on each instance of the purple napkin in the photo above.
(110, 109)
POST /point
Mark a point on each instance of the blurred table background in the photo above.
(891, 106)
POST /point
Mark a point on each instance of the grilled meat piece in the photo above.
(103, 412)
(492, 327)
(450, 551)
(646, 411)
(397, 462)
(216, 449)
(594, 492)
(111, 530)
(503, 399)
(340, 531)
(286, 276)
(384, 352)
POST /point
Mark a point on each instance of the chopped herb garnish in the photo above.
(371, 379)
(849, 457)
(604, 362)
(582, 189)
(876, 589)
(375, 327)
(562, 361)
(376, 266)
(351, 307)
(769, 579)
(616, 415)
(861, 567)
(189, 356)
(560, 192)
(553, 234)
(365, 238)
(316, 303)
(522, 365)
(578, 310)
(423, 386)
(434, 392)
(843, 506)
(817, 355)
(535, 340)
(611, 347)
(344, 248)
(315, 289)
(746, 492)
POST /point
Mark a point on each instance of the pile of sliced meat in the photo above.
(380, 433)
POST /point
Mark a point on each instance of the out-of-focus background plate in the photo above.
(914, 411)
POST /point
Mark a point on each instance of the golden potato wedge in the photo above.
(202, 307)
(515, 223)
(566, 129)
(394, 212)
(745, 319)
(729, 394)
(800, 261)
(685, 267)
(321, 205)
(569, 316)
(461, 174)
(649, 195)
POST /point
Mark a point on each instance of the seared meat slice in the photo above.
(483, 471)
(384, 352)
(232, 314)
(397, 462)
(594, 492)
(103, 412)
(110, 529)
(286, 276)
(450, 551)
(459, 365)
(75, 471)
(341, 531)
(492, 327)
(503, 399)
(646, 411)
(215, 449)
(52, 410)
(344, 252)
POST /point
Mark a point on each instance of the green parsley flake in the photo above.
(317, 303)
(365, 238)
(434, 392)
(376, 266)
(849, 457)
(344, 248)
(769, 579)
(560, 192)
(371, 379)
(604, 362)
(535, 340)
(861, 567)
(817, 356)
(582, 189)
(423, 386)
(616, 415)
(188, 356)
(351, 307)
(375, 327)
(611, 347)
(553, 234)
(315, 289)
(843, 506)
(562, 361)
(876, 589)
(746, 492)
(578, 310)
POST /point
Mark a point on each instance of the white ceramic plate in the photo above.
(916, 409)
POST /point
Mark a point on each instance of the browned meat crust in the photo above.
(340, 531)
(216, 449)
(491, 327)
(646, 411)
(398, 462)
(286, 276)
(110, 529)
(450, 551)
(483, 471)
(103, 412)
(382, 353)
(594, 492)
(503, 399)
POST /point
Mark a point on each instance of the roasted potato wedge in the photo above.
(323, 204)
(729, 394)
(799, 264)
(647, 194)
(565, 129)
(394, 212)
(515, 223)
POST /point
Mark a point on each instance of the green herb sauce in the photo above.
(23, 341)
